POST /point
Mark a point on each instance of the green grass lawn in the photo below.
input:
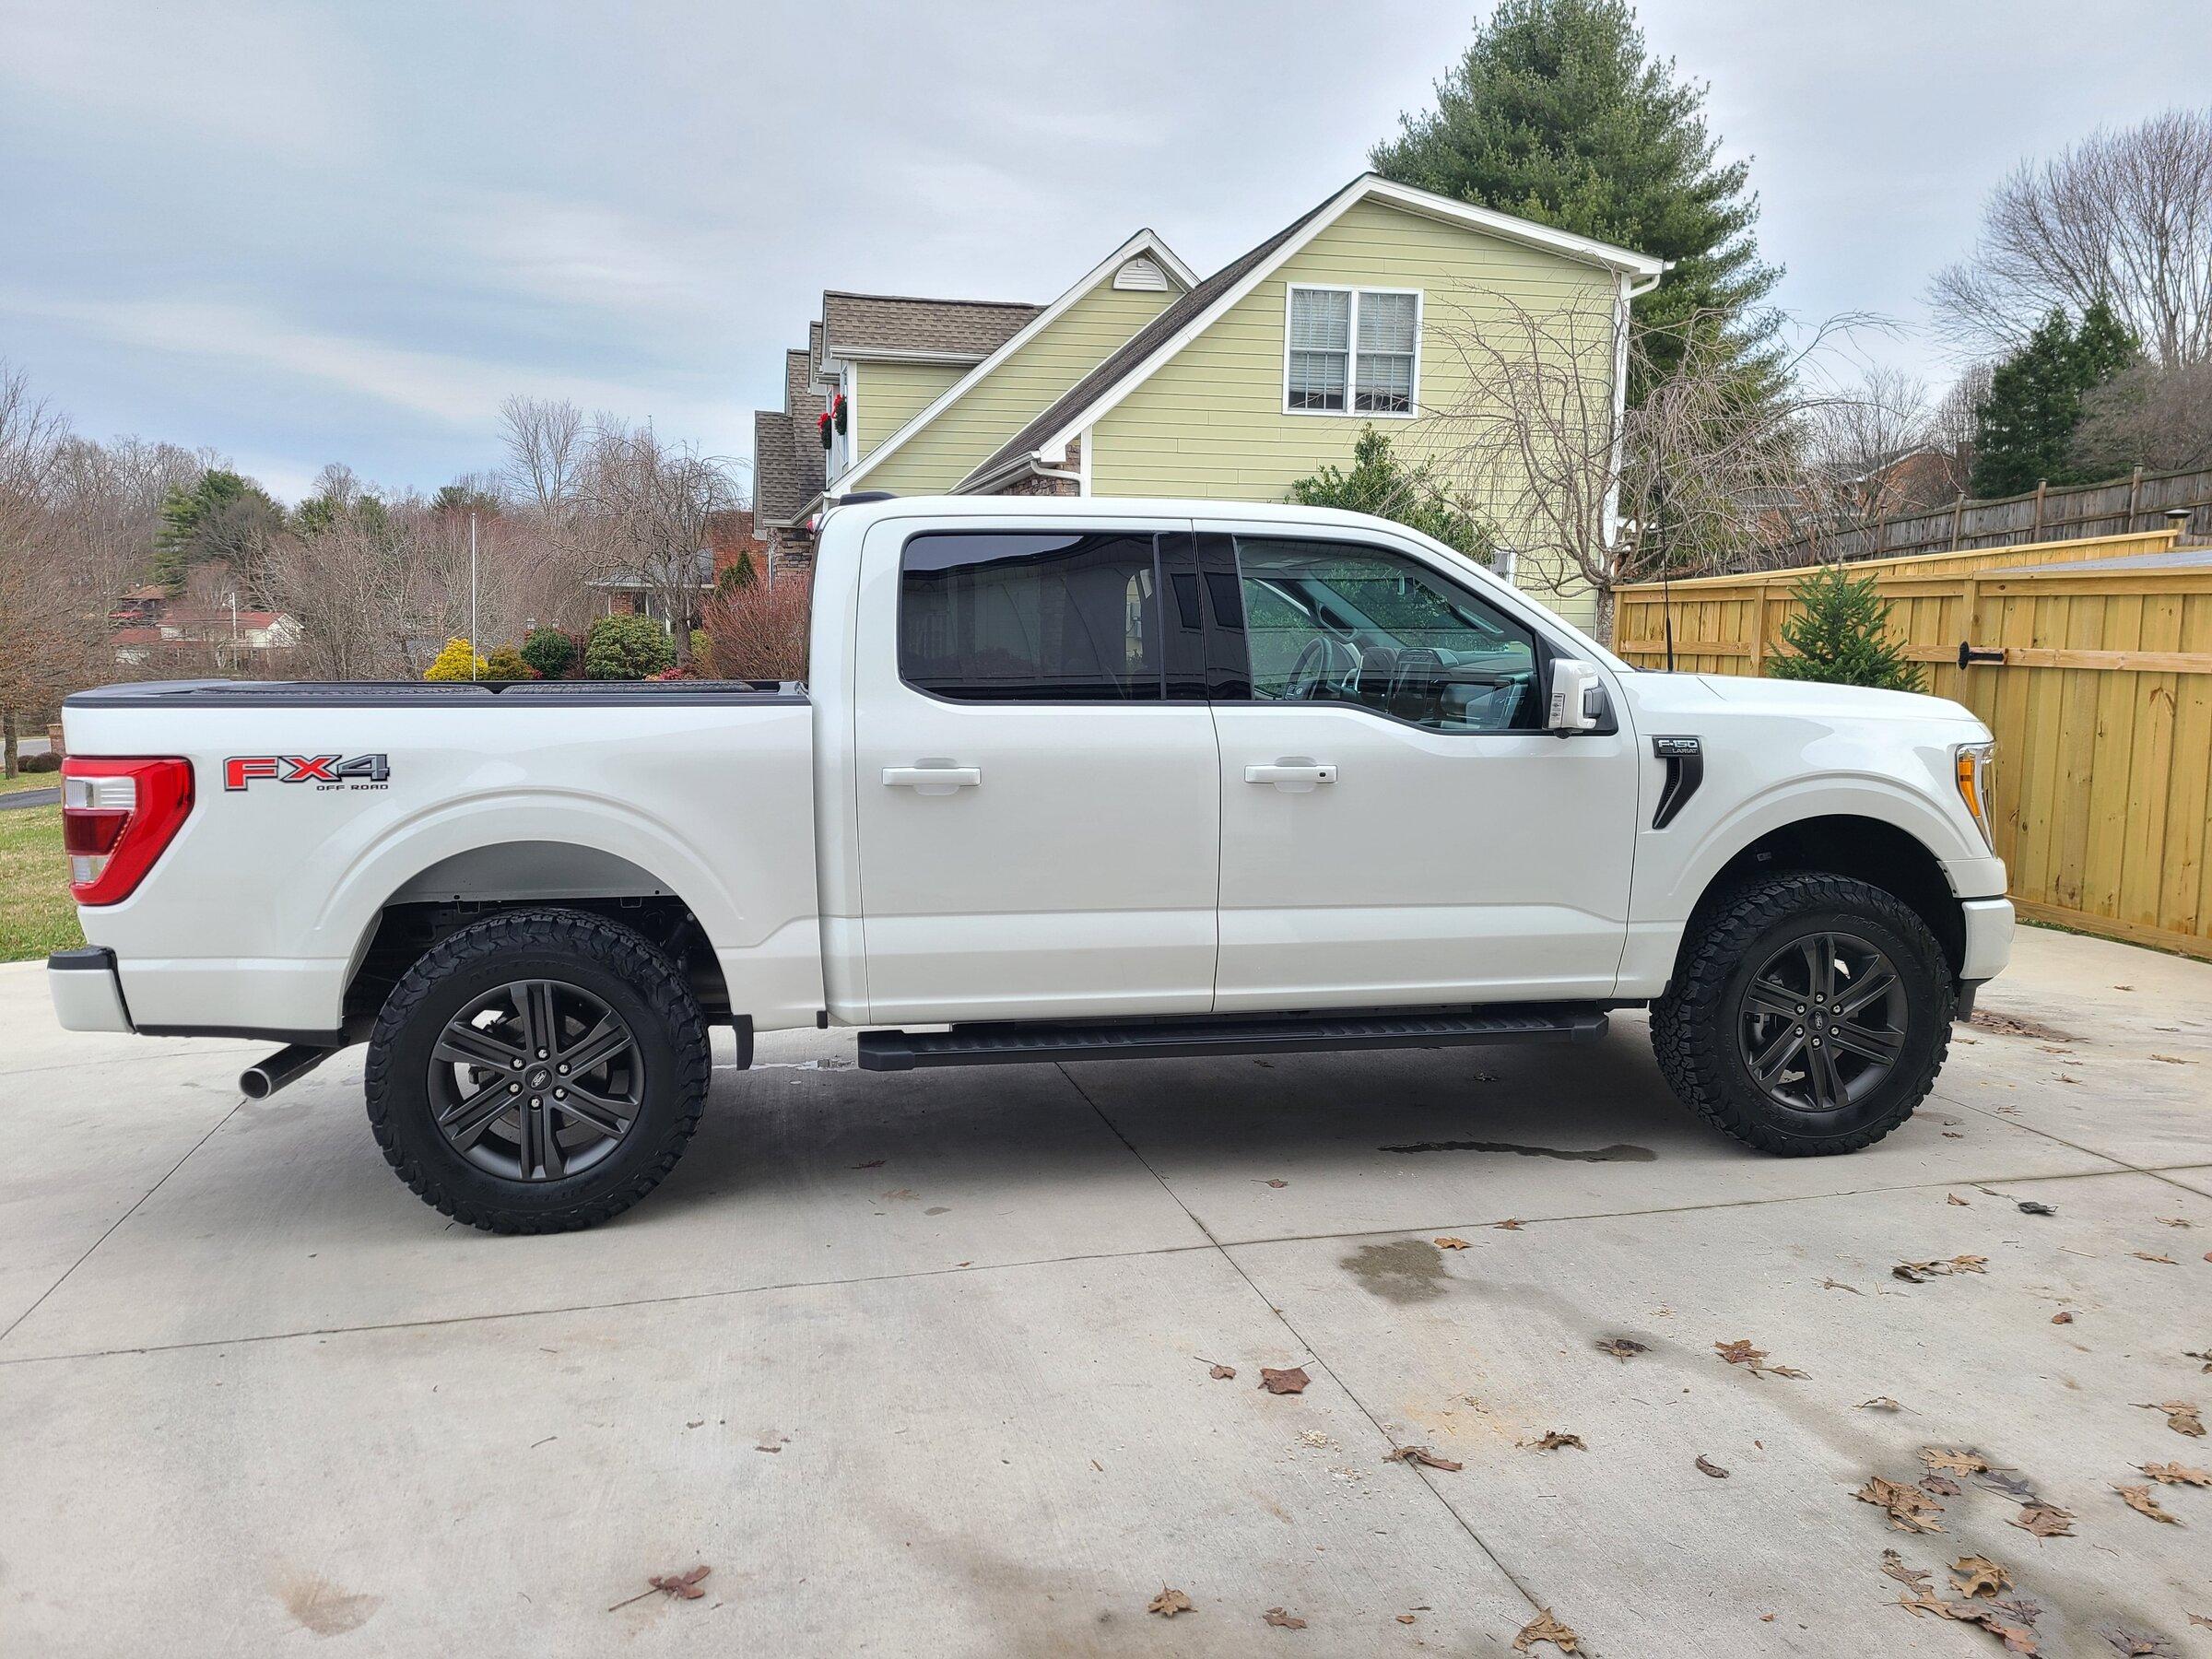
(36, 914)
(52, 780)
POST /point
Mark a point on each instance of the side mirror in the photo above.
(1578, 697)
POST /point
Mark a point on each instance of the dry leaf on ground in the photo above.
(2062, 1318)
(674, 1585)
(1621, 1347)
(1894, 1565)
(2173, 1060)
(1707, 1466)
(1909, 1508)
(1830, 1284)
(1545, 1627)
(2144, 1255)
(2044, 1520)
(2174, 1474)
(2007, 1484)
(1449, 1243)
(1222, 1373)
(1942, 1486)
(1510, 1224)
(1552, 1440)
(1741, 1352)
(1275, 1181)
(1282, 1620)
(1954, 1198)
(1290, 1382)
(2192, 1354)
(2181, 1416)
(1879, 1402)
(2138, 1499)
(2173, 1222)
(1914, 1273)
(1420, 1455)
(1169, 1603)
(2035, 1207)
(2003, 1620)
(1955, 1463)
(1978, 1575)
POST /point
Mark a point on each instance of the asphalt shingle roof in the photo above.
(787, 465)
(894, 323)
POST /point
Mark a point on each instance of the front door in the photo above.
(1396, 827)
(1038, 797)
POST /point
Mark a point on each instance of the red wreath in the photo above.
(821, 425)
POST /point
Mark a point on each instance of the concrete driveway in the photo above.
(922, 1363)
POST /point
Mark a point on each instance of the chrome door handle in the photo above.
(933, 780)
(1291, 777)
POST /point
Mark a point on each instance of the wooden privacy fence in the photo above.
(2090, 662)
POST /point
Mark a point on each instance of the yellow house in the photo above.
(1144, 379)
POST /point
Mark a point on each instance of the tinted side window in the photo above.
(1023, 616)
(1334, 622)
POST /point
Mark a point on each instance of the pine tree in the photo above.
(1381, 484)
(1840, 634)
(2024, 429)
(1558, 113)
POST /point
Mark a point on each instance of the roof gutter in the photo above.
(1013, 471)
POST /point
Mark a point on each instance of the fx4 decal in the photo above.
(324, 771)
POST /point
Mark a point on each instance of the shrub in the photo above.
(701, 645)
(39, 763)
(759, 632)
(506, 662)
(1842, 635)
(737, 574)
(456, 661)
(626, 648)
(549, 651)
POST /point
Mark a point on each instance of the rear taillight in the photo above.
(117, 817)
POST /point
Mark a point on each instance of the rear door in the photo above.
(1395, 827)
(1038, 795)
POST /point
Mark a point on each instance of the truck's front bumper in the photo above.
(1988, 939)
(88, 997)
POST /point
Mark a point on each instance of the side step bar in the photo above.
(1008, 1043)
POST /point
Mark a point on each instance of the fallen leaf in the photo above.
(1940, 1486)
(1282, 1620)
(1621, 1347)
(2174, 1221)
(1894, 1565)
(1907, 1507)
(1706, 1467)
(2062, 1318)
(2138, 1499)
(1169, 1603)
(2123, 988)
(1830, 1284)
(1741, 1352)
(1914, 1273)
(2144, 1255)
(1405, 1618)
(1879, 1402)
(1289, 1382)
(2003, 1622)
(2044, 1520)
(1276, 1182)
(1222, 1373)
(2173, 1060)
(2198, 1619)
(873, 1163)
(674, 1585)
(2174, 1474)
(1952, 1134)
(2206, 1355)
(1978, 1575)
(2011, 1485)
(1449, 1243)
(1954, 1198)
(1420, 1455)
(1955, 1463)
(2181, 1416)
(1510, 1224)
(2015, 1025)
(1552, 1440)
(2035, 1207)
(1545, 1627)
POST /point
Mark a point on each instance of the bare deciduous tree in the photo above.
(45, 635)
(653, 501)
(2160, 420)
(2124, 216)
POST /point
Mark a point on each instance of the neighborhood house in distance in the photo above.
(1145, 380)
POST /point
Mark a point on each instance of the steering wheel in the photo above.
(1323, 660)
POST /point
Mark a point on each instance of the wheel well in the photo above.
(469, 885)
(1867, 850)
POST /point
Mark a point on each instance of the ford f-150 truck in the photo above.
(1068, 779)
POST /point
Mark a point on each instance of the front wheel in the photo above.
(537, 1071)
(1808, 1014)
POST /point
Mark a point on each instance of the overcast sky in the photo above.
(310, 232)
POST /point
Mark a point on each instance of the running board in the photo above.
(1010, 1044)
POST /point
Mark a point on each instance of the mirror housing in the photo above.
(1578, 697)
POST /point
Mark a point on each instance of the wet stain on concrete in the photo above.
(1406, 1270)
(1620, 1152)
(320, 1606)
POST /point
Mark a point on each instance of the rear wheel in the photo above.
(1809, 1014)
(537, 1071)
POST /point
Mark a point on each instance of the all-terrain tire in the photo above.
(1695, 1023)
(621, 968)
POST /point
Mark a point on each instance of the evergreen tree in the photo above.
(1381, 484)
(222, 518)
(2024, 429)
(1841, 633)
(626, 647)
(549, 651)
(457, 661)
(1558, 113)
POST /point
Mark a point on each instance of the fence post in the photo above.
(2041, 485)
(2134, 494)
(1758, 629)
(1958, 508)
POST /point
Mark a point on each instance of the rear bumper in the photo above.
(1988, 938)
(88, 997)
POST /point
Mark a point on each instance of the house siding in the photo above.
(887, 395)
(1211, 422)
(945, 451)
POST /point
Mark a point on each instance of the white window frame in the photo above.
(1351, 366)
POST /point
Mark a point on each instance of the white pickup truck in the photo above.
(1069, 779)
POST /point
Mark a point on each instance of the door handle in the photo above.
(1292, 776)
(933, 780)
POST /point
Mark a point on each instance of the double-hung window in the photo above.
(1351, 351)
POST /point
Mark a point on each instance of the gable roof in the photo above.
(1146, 243)
(1182, 322)
(787, 465)
(798, 399)
(896, 326)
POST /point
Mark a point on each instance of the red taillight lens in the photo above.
(117, 818)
